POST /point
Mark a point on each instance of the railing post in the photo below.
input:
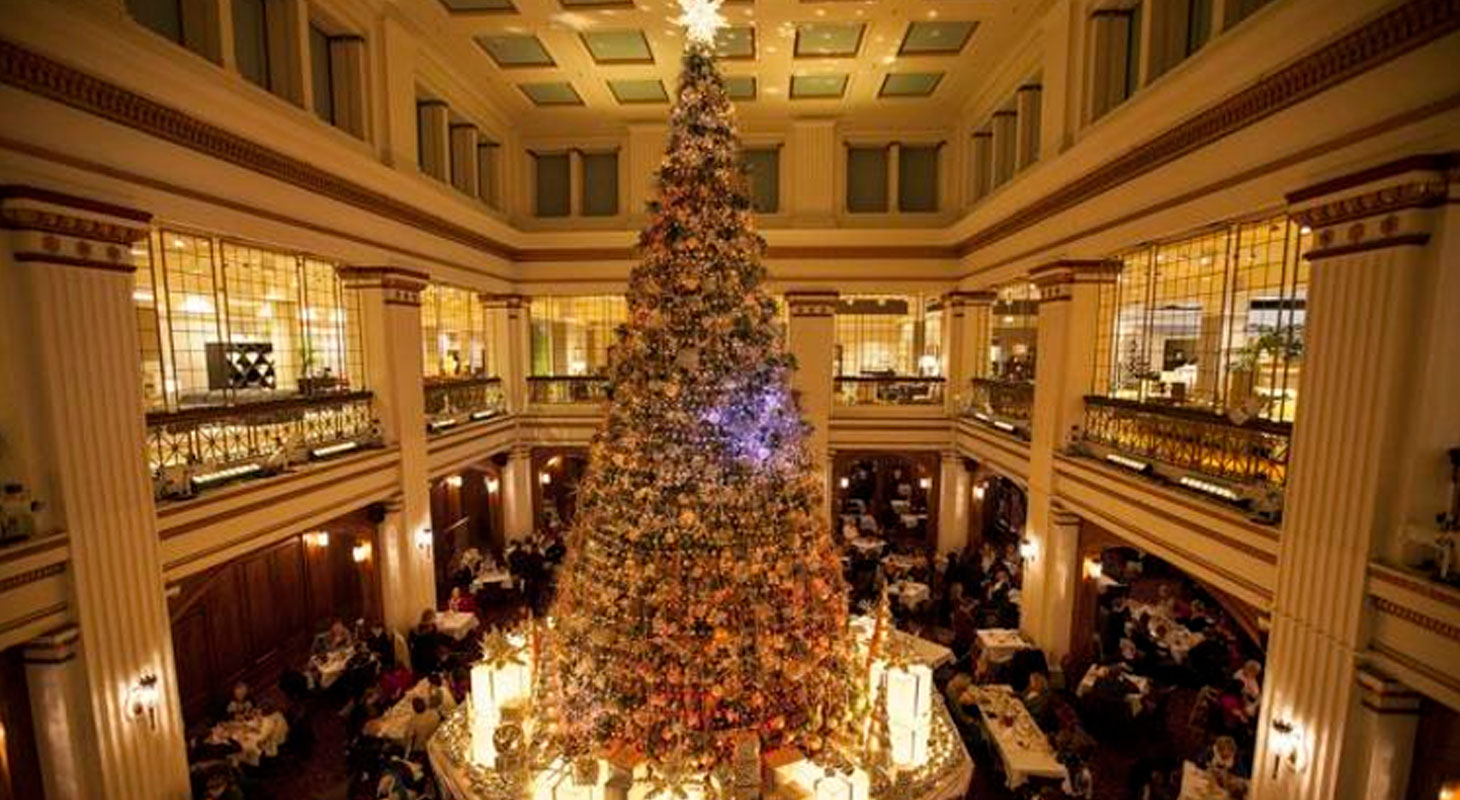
(390, 302)
(1068, 296)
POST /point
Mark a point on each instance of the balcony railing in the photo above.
(890, 390)
(1008, 400)
(567, 389)
(454, 401)
(1248, 461)
(195, 449)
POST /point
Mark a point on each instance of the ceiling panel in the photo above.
(551, 93)
(516, 50)
(935, 37)
(736, 42)
(477, 5)
(618, 47)
(838, 39)
(910, 84)
(808, 87)
(740, 87)
(637, 90)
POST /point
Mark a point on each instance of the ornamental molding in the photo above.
(1056, 281)
(31, 576)
(1415, 617)
(1384, 201)
(961, 299)
(1388, 36)
(399, 286)
(42, 220)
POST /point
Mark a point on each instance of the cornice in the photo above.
(1390, 35)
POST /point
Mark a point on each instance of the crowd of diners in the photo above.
(389, 689)
(1161, 649)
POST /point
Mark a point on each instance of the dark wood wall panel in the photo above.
(254, 616)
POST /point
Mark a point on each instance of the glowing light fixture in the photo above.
(925, 483)
(478, 416)
(1288, 745)
(493, 485)
(424, 541)
(1214, 489)
(436, 426)
(224, 475)
(845, 482)
(1127, 462)
(1028, 550)
(979, 490)
(317, 539)
(1006, 427)
(361, 552)
(142, 700)
(1093, 568)
(333, 449)
(544, 478)
(701, 19)
(454, 481)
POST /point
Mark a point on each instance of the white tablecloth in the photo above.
(456, 624)
(392, 724)
(1094, 673)
(866, 545)
(910, 594)
(1000, 644)
(1197, 784)
(258, 736)
(489, 577)
(1023, 747)
(330, 666)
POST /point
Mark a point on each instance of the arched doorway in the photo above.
(556, 473)
(892, 495)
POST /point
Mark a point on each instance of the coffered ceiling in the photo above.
(550, 63)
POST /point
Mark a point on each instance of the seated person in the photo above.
(461, 602)
(423, 723)
(1222, 758)
(339, 636)
(425, 643)
(440, 695)
(1250, 678)
(242, 704)
(1039, 699)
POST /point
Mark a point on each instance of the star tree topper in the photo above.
(701, 19)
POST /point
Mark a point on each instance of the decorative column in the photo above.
(981, 165)
(1027, 108)
(349, 84)
(517, 493)
(59, 706)
(966, 343)
(434, 131)
(1064, 367)
(812, 340)
(1061, 568)
(1382, 742)
(894, 176)
(1371, 262)
(954, 496)
(507, 335)
(487, 174)
(465, 172)
(812, 158)
(71, 269)
(1004, 127)
(390, 304)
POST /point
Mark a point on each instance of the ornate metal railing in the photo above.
(891, 390)
(451, 401)
(564, 389)
(197, 448)
(1195, 440)
(1009, 400)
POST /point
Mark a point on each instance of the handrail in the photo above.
(209, 413)
(1008, 400)
(446, 397)
(889, 390)
(567, 389)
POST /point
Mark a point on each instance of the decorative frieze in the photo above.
(1056, 280)
(49, 227)
(1386, 206)
(812, 304)
(399, 285)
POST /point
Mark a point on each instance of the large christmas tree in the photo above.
(702, 595)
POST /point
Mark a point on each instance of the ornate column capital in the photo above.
(511, 302)
(400, 285)
(812, 303)
(1385, 695)
(1062, 517)
(958, 299)
(1379, 207)
(49, 227)
(56, 647)
(1057, 279)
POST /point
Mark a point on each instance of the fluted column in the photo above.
(517, 489)
(507, 335)
(1061, 568)
(55, 677)
(954, 497)
(390, 304)
(1382, 742)
(966, 343)
(812, 340)
(1370, 261)
(1068, 296)
(70, 265)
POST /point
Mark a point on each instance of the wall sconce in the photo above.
(454, 481)
(544, 478)
(317, 539)
(1093, 568)
(1028, 550)
(424, 541)
(925, 483)
(361, 552)
(142, 700)
(979, 490)
(493, 485)
(1450, 791)
(844, 482)
(1288, 746)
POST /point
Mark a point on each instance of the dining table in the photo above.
(1000, 644)
(257, 736)
(1135, 699)
(393, 724)
(1022, 747)
(327, 667)
(457, 624)
(1200, 784)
